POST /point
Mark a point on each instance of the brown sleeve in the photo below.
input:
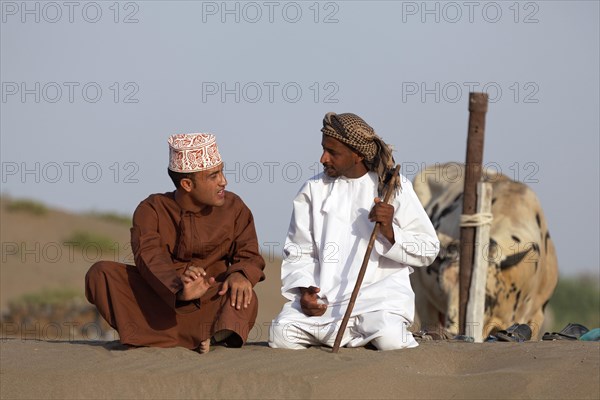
(246, 257)
(154, 261)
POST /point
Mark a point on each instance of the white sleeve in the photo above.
(416, 244)
(300, 263)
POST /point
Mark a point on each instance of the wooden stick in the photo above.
(478, 103)
(363, 267)
(476, 304)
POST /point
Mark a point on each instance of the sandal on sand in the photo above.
(491, 338)
(591, 336)
(462, 338)
(569, 332)
(515, 333)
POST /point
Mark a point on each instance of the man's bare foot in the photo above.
(204, 347)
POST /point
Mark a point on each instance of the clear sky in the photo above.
(92, 90)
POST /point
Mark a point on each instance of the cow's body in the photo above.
(522, 271)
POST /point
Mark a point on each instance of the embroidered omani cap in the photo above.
(192, 152)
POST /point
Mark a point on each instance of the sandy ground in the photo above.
(34, 366)
(73, 370)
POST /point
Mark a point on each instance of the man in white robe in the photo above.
(333, 217)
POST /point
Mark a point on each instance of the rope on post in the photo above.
(475, 220)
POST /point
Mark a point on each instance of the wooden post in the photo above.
(477, 108)
(476, 304)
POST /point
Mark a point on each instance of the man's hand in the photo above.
(240, 290)
(195, 283)
(309, 302)
(384, 214)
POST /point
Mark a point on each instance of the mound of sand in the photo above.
(74, 370)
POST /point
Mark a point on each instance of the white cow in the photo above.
(522, 270)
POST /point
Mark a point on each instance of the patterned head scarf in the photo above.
(354, 132)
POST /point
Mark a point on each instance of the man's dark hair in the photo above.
(176, 177)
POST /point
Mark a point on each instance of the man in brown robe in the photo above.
(196, 260)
